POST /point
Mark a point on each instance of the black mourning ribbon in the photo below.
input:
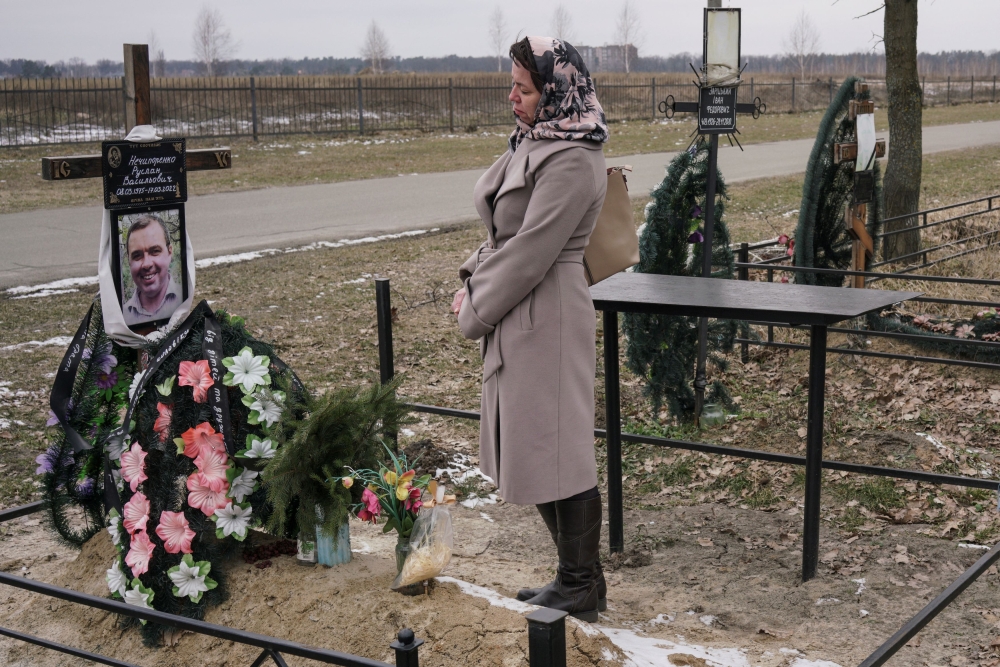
(218, 395)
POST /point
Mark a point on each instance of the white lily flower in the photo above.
(116, 475)
(260, 449)
(242, 485)
(134, 385)
(246, 370)
(268, 410)
(136, 597)
(117, 581)
(115, 531)
(188, 580)
(116, 448)
(233, 520)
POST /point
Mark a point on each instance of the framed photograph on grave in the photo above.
(150, 263)
(144, 174)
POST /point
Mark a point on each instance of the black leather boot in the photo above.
(578, 544)
(548, 512)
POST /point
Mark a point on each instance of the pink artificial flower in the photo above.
(413, 502)
(134, 466)
(783, 239)
(200, 438)
(372, 508)
(198, 375)
(212, 464)
(202, 496)
(162, 423)
(175, 532)
(791, 247)
(139, 553)
(136, 513)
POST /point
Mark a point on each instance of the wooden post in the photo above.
(137, 109)
(862, 246)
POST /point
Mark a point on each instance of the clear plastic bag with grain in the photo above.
(430, 542)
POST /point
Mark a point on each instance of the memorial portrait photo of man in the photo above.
(151, 278)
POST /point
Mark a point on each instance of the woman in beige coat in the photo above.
(526, 300)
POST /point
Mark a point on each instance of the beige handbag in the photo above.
(614, 245)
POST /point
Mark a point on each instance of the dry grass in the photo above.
(301, 161)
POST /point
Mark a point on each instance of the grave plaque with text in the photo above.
(143, 174)
(717, 110)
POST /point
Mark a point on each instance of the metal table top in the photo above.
(738, 299)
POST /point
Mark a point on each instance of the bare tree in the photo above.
(157, 61)
(802, 43)
(376, 48)
(562, 24)
(901, 186)
(627, 31)
(498, 35)
(212, 40)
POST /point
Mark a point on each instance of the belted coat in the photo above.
(527, 301)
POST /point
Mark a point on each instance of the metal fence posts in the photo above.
(613, 426)
(948, 98)
(744, 274)
(451, 105)
(383, 308)
(793, 94)
(406, 646)
(994, 97)
(830, 89)
(923, 90)
(253, 106)
(653, 87)
(972, 88)
(752, 97)
(547, 638)
(361, 111)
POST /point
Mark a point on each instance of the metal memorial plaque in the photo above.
(143, 174)
(717, 110)
(864, 186)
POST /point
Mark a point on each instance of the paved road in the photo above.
(47, 245)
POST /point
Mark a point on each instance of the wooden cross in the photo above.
(137, 112)
(856, 214)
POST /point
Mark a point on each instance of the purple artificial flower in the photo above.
(46, 460)
(696, 237)
(53, 420)
(106, 379)
(696, 211)
(103, 360)
(84, 487)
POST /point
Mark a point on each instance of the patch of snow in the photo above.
(864, 612)
(970, 545)
(409, 433)
(460, 470)
(652, 652)
(934, 441)
(861, 585)
(487, 517)
(365, 548)
(708, 619)
(4, 424)
(790, 213)
(823, 601)
(59, 341)
(45, 292)
(802, 662)
(64, 284)
(236, 258)
(475, 501)
(662, 619)
(489, 595)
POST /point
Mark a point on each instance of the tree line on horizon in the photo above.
(936, 65)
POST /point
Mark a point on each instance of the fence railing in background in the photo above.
(53, 111)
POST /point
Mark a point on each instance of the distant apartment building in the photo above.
(608, 58)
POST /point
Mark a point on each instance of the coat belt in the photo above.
(566, 255)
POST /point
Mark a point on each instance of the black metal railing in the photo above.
(546, 628)
(52, 111)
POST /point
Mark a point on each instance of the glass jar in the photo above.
(306, 550)
(402, 551)
(712, 414)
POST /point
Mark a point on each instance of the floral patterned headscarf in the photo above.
(568, 108)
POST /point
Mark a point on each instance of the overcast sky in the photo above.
(93, 29)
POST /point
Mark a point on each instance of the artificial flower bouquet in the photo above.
(392, 492)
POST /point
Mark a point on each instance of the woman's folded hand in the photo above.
(456, 303)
